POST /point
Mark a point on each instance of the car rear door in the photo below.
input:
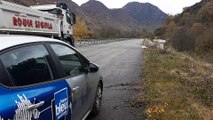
(76, 77)
(35, 94)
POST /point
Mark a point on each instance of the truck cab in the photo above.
(67, 19)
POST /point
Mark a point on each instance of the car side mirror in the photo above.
(93, 68)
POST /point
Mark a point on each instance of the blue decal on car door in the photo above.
(61, 103)
(48, 101)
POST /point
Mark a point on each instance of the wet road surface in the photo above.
(120, 64)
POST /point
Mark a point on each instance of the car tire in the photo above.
(98, 100)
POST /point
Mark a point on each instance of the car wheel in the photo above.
(98, 100)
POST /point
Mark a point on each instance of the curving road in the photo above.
(120, 65)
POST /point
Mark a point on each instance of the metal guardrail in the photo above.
(85, 42)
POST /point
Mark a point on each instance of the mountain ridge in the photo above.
(126, 18)
(97, 16)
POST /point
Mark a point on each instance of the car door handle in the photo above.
(35, 106)
(75, 89)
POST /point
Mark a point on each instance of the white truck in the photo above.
(52, 20)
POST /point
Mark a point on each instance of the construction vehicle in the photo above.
(51, 20)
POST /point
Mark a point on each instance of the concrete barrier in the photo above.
(160, 43)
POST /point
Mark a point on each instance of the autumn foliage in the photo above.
(80, 30)
(191, 30)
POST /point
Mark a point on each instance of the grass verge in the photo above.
(176, 87)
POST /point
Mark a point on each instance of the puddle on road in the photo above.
(125, 86)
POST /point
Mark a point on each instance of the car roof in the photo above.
(7, 41)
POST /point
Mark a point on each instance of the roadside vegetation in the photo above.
(179, 85)
(176, 86)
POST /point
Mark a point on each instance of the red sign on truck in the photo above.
(25, 22)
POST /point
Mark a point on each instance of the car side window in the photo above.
(69, 60)
(28, 65)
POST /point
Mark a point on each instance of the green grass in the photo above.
(176, 87)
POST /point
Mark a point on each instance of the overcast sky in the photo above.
(168, 6)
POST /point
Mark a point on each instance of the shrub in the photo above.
(182, 40)
(204, 44)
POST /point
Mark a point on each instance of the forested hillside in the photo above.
(192, 30)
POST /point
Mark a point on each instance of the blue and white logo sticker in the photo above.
(61, 103)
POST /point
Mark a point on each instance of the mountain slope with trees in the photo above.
(191, 30)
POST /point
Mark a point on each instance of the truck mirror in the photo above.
(74, 17)
(62, 5)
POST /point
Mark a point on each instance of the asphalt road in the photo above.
(120, 64)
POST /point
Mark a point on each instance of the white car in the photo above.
(46, 79)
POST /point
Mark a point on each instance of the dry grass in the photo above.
(176, 87)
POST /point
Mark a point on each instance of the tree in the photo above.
(204, 44)
(80, 30)
(171, 28)
(159, 31)
(186, 19)
(182, 40)
(197, 28)
(109, 32)
(206, 13)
